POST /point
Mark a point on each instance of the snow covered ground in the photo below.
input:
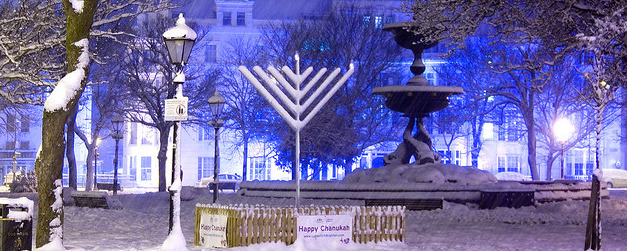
(143, 224)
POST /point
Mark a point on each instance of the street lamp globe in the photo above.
(179, 41)
(117, 122)
(563, 129)
(216, 104)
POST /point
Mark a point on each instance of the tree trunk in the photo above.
(69, 149)
(531, 143)
(162, 157)
(477, 127)
(89, 174)
(48, 167)
(593, 226)
(49, 163)
(550, 158)
(245, 164)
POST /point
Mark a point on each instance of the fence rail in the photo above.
(251, 225)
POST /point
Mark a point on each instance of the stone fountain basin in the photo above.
(416, 99)
(543, 191)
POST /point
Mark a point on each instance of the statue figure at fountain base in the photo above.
(418, 145)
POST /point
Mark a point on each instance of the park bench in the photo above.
(93, 199)
(410, 204)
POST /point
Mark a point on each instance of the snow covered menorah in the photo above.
(290, 95)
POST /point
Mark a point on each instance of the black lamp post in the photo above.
(118, 134)
(179, 41)
(216, 104)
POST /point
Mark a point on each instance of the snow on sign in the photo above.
(212, 230)
(176, 109)
(325, 228)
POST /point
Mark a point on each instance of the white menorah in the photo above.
(296, 95)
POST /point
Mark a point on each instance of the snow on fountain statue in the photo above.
(416, 100)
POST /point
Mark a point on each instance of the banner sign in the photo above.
(212, 230)
(325, 228)
(176, 109)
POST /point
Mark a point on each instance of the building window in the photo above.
(589, 169)
(25, 124)
(378, 22)
(146, 168)
(578, 168)
(578, 159)
(203, 134)
(211, 53)
(512, 164)
(366, 21)
(241, 19)
(10, 145)
(259, 169)
(148, 138)
(501, 164)
(226, 18)
(24, 145)
(133, 136)
(132, 167)
(205, 167)
(390, 19)
(11, 123)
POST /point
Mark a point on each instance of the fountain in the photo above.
(416, 100)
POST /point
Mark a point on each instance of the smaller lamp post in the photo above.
(118, 134)
(563, 129)
(96, 163)
(216, 104)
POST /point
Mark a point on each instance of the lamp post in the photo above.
(563, 129)
(118, 134)
(96, 163)
(179, 41)
(216, 104)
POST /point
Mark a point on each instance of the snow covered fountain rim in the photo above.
(543, 191)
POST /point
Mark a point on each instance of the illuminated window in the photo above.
(366, 21)
(512, 164)
(146, 168)
(378, 22)
(501, 164)
(205, 167)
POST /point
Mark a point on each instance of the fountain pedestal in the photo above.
(416, 100)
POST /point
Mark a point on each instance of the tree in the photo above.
(147, 75)
(468, 68)
(247, 110)
(541, 43)
(58, 106)
(49, 162)
(353, 119)
(608, 72)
